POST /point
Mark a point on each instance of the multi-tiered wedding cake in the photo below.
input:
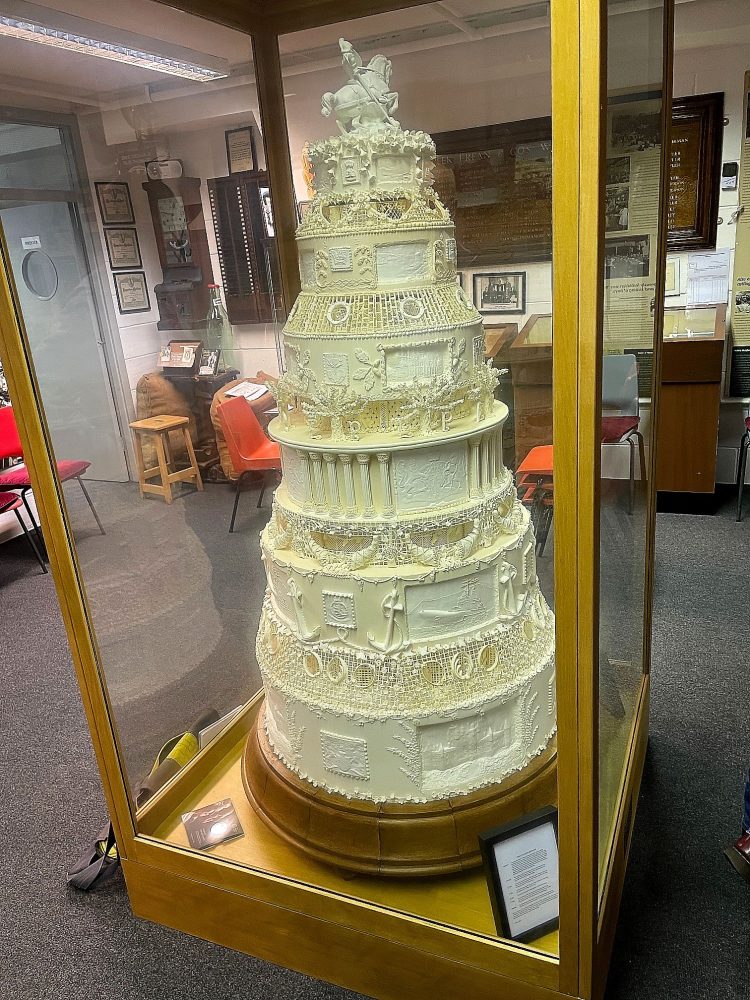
(406, 650)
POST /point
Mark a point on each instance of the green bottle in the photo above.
(219, 336)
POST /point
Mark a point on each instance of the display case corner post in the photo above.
(661, 264)
(579, 33)
(273, 121)
(15, 357)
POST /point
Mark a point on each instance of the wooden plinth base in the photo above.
(410, 839)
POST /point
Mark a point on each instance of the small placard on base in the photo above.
(211, 825)
(521, 862)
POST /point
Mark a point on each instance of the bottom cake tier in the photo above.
(393, 839)
(416, 758)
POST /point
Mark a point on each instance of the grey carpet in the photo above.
(685, 918)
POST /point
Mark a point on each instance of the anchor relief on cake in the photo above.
(406, 649)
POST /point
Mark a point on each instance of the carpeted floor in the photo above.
(685, 921)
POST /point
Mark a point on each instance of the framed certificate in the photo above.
(122, 248)
(132, 292)
(240, 150)
(115, 205)
(521, 862)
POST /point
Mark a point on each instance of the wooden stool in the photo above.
(159, 428)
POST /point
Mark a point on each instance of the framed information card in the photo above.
(521, 862)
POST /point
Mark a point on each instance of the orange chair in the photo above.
(249, 448)
(534, 478)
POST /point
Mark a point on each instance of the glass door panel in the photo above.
(635, 96)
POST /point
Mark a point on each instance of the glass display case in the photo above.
(319, 746)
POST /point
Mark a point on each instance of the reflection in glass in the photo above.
(175, 595)
(631, 213)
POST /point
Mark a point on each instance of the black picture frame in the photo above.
(232, 166)
(487, 842)
(109, 234)
(105, 190)
(210, 357)
(700, 116)
(501, 279)
(124, 311)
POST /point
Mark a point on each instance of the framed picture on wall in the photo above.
(240, 150)
(115, 205)
(697, 134)
(500, 293)
(132, 292)
(122, 248)
(267, 209)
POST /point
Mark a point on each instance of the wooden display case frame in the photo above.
(376, 948)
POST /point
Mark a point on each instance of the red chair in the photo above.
(17, 477)
(11, 502)
(249, 448)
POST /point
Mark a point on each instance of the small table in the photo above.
(159, 428)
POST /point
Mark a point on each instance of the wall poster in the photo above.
(632, 176)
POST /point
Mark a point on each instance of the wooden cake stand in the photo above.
(408, 839)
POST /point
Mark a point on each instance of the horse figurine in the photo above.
(365, 102)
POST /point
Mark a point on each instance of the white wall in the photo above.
(707, 71)
(139, 338)
(203, 153)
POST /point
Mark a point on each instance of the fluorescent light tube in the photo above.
(73, 36)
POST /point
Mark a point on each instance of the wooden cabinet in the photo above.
(692, 372)
(530, 358)
(246, 242)
(177, 215)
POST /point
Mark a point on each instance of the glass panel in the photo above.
(633, 174)
(406, 638)
(33, 156)
(406, 647)
(111, 173)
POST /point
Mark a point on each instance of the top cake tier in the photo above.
(385, 159)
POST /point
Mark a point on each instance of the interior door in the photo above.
(51, 273)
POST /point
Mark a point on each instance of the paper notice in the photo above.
(708, 278)
(528, 869)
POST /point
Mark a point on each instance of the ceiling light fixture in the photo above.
(72, 33)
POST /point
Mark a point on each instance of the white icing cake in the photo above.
(406, 649)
